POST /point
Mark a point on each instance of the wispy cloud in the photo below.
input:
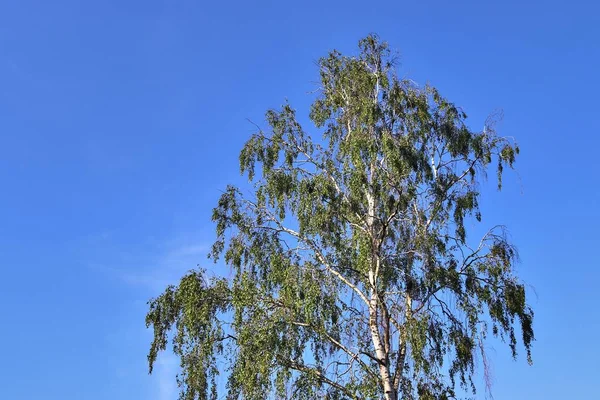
(153, 267)
(164, 377)
(144, 268)
(168, 267)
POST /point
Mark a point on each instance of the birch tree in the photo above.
(352, 273)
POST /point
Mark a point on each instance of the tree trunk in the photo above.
(382, 356)
(380, 350)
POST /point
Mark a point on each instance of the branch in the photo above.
(351, 354)
(319, 375)
(310, 243)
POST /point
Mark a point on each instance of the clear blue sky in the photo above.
(121, 121)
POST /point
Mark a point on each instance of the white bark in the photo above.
(380, 350)
(382, 355)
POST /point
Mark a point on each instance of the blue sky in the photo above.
(121, 122)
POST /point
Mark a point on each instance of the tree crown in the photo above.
(353, 276)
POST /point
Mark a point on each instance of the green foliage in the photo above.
(353, 275)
